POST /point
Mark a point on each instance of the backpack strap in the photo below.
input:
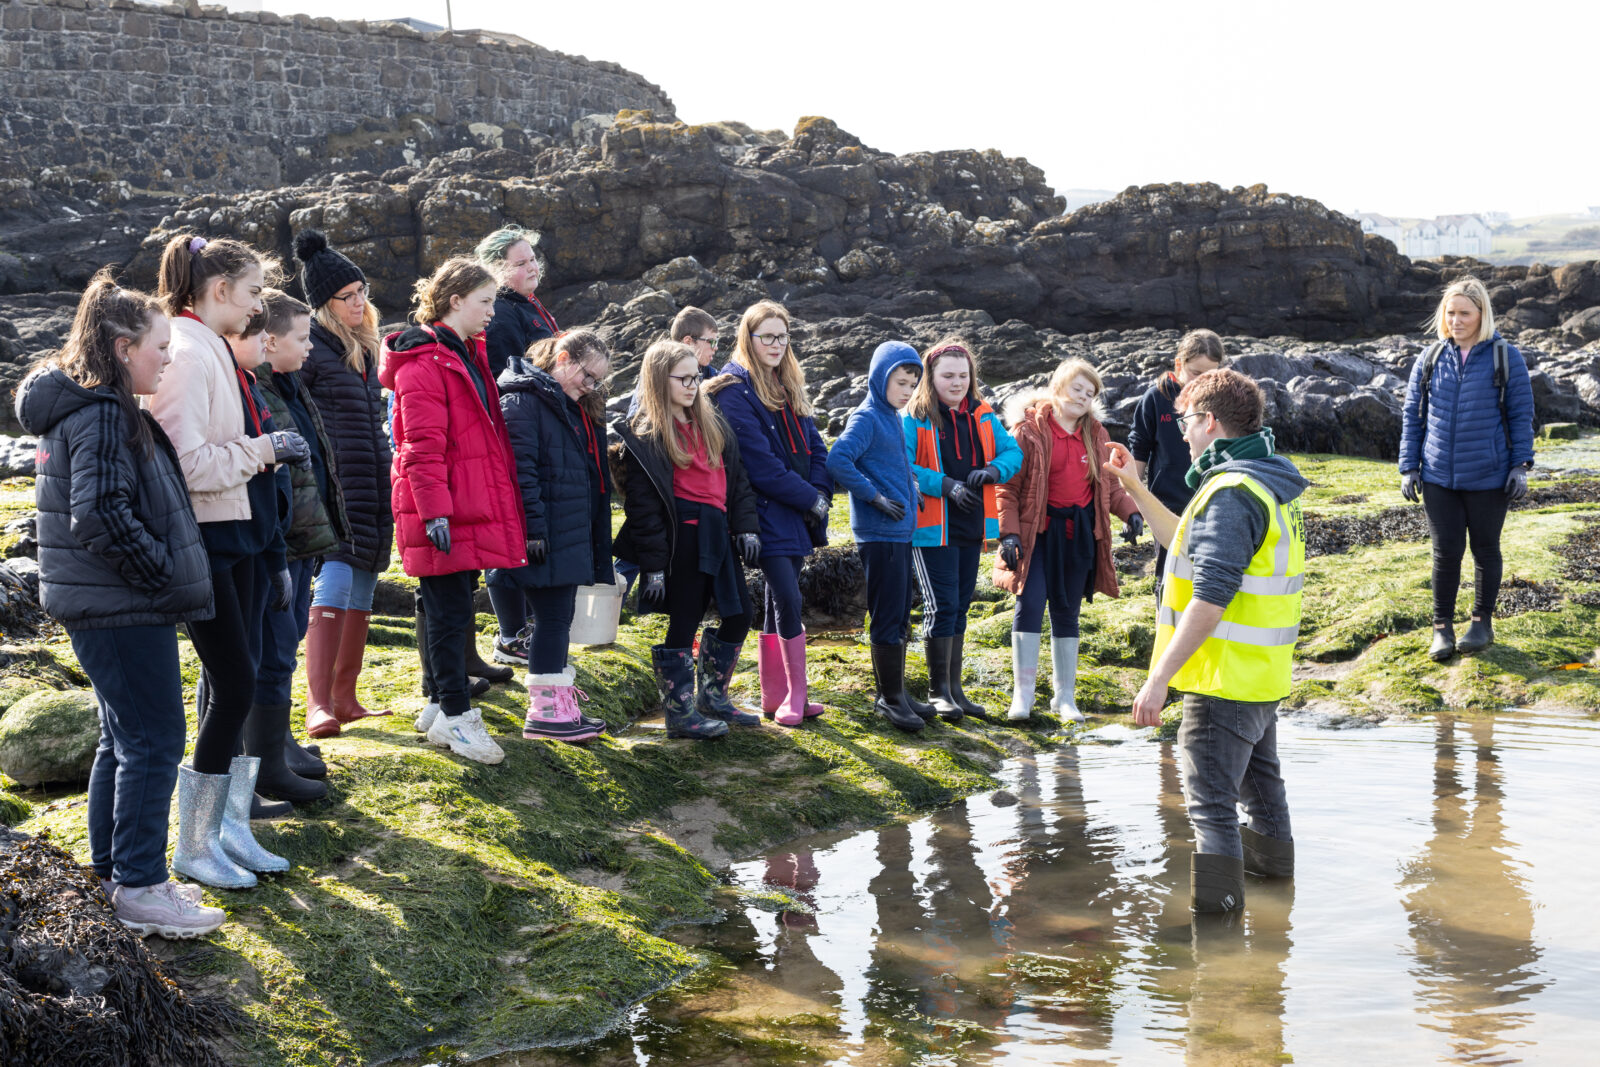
(1502, 361)
(1429, 357)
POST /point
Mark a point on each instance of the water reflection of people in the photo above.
(1471, 920)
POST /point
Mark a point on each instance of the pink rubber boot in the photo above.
(774, 681)
(797, 708)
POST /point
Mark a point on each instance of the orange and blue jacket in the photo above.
(999, 451)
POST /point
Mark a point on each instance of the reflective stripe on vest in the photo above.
(931, 513)
(1250, 654)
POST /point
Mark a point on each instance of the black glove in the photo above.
(1411, 485)
(1134, 527)
(290, 447)
(282, 591)
(892, 508)
(653, 593)
(438, 531)
(982, 476)
(959, 494)
(1011, 551)
(749, 548)
(819, 510)
(1517, 484)
(537, 549)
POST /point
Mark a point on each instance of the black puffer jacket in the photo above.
(118, 540)
(649, 533)
(566, 495)
(317, 525)
(517, 323)
(352, 409)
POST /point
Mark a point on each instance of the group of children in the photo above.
(220, 457)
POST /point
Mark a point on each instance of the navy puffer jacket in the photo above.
(566, 493)
(352, 409)
(118, 541)
(518, 322)
(1464, 446)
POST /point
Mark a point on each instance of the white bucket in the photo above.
(599, 607)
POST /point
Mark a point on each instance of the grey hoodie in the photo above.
(1221, 539)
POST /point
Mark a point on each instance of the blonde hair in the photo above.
(581, 346)
(360, 342)
(788, 383)
(925, 402)
(1475, 291)
(456, 276)
(1060, 382)
(655, 419)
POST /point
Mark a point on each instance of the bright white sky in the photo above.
(1400, 107)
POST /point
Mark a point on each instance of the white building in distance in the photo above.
(1447, 235)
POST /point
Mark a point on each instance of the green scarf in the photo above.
(1251, 446)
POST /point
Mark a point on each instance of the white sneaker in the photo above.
(465, 736)
(164, 909)
(426, 716)
(189, 892)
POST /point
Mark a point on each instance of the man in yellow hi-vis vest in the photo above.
(1229, 619)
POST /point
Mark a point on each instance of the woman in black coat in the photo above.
(519, 318)
(341, 377)
(555, 417)
(121, 564)
(691, 519)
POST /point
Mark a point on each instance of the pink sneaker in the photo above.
(165, 909)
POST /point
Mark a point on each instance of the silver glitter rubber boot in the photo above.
(237, 839)
(202, 800)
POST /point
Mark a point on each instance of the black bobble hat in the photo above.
(324, 271)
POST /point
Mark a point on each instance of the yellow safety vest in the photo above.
(1249, 655)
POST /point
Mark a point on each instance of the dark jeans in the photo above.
(551, 610)
(782, 612)
(280, 638)
(947, 576)
(134, 671)
(888, 578)
(229, 647)
(1029, 617)
(512, 605)
(1454, 517)
(689, 592)
(1229, 750)
(447, 601)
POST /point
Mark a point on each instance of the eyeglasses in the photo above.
(688, 381)
(781, 340)
(362, 294)
(712, 340)
(590, 381)
(1183, 420)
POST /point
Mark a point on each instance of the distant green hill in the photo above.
(1562, 238)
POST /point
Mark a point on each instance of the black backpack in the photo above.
(1502, 360)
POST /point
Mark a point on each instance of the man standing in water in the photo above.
(1229, 619)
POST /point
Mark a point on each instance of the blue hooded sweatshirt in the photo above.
(870, 456)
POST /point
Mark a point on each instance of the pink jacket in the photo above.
(199, 407)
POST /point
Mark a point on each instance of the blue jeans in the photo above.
(888, 579)
(512, 607)
(281, 634)
(1229, 750)
(342, 586)
(947, 575)
(134, 670)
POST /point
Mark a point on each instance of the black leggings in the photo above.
(1454, 518)
(689, 592)
(228, 645)
(782, 614)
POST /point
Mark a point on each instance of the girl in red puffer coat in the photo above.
(454, 488)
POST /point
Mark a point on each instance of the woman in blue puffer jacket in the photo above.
(1466, 452)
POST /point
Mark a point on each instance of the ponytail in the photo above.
(190, 262)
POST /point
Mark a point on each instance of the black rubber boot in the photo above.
(1479, 636)
(477, 668)
(937, 649)
(262, 808)
(1444, 643)
(717, 660)
(977, 711)
(264, 731)
(675, 680)
(301, 759)
(1266, 856)
(889, 668)
(924, 711)
(1216, 883)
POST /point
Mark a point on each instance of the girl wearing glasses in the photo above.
(691, 520)
(762, 394)
(519, 318)
(555, 414)
(1055, 530)
(340, 375)
(455, 493)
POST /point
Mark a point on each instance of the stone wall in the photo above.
(196, 98)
